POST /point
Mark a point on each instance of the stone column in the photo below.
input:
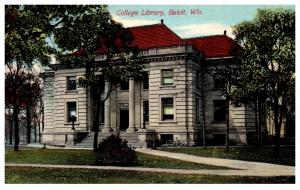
(131, 127)
(107, 124)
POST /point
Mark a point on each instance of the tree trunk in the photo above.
(39, 125)
(16, 122)
(204, 125)
(203, 107)
(96, 125)
(256, 123)
(277, 128)
(35, 133)
(260, 116)
(39, 120)
(227, 124)
(11, 131)
(28, 120)
(43, 117)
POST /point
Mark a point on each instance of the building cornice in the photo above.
(147, 59)
(220, 61)
(48, 74)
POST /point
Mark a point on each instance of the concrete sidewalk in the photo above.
(159, 170)
(239, 168)
(257, 168)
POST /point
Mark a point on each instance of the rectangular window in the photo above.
(72, 111)
(71, 83)
(167, 77)
(100, 81)
(197, 110)
(145, 80)
(219, 82)
(146, 111)
(124, 85)
(167, 109)
(220, 110)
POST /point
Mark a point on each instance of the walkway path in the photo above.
(246, 167)
(160, 170)
(239, 168)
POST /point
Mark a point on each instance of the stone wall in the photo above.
(186, 89)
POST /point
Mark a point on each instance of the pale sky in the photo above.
(214, 19)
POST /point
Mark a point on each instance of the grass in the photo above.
(87, 157)
(259, 154)
(145, 160)
(45, 175)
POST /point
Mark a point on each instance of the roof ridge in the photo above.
(162, 24)
(208, 36)
(145, 25)
(174, 33)
(211, 36)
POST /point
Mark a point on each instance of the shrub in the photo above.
(115, 151)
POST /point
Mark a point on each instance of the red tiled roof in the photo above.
(157, 35)
(215, 46)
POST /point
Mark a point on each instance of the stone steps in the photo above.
(87, 142)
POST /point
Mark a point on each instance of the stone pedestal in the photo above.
(132, 130)
(147, 138)
(70, 140)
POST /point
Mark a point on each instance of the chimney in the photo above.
(225, 32)
(161, 21)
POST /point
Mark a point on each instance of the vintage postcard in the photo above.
(139, 94)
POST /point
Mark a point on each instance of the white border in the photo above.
(131, 2)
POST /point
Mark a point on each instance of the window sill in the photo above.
(70, 123)
(71, 91)
(167, 121)
(218, 122)
(168, 86)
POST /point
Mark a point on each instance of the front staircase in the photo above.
(87, 142)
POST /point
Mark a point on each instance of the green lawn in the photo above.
(87, 157)
(260, 154)
(44, 175)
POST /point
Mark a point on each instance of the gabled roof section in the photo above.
(159, 35)
(151, 36)
(215, 46)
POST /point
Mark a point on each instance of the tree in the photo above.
(89, 35)
(32, 95)
(267, 62)
(81, 33)
(22, 98)
(227, 74)
(25, 45)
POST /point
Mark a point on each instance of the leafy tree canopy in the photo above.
(267, 71)
(268, 57)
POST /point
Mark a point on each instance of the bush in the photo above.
(115, 151)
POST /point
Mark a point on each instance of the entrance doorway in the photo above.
(124, 120)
